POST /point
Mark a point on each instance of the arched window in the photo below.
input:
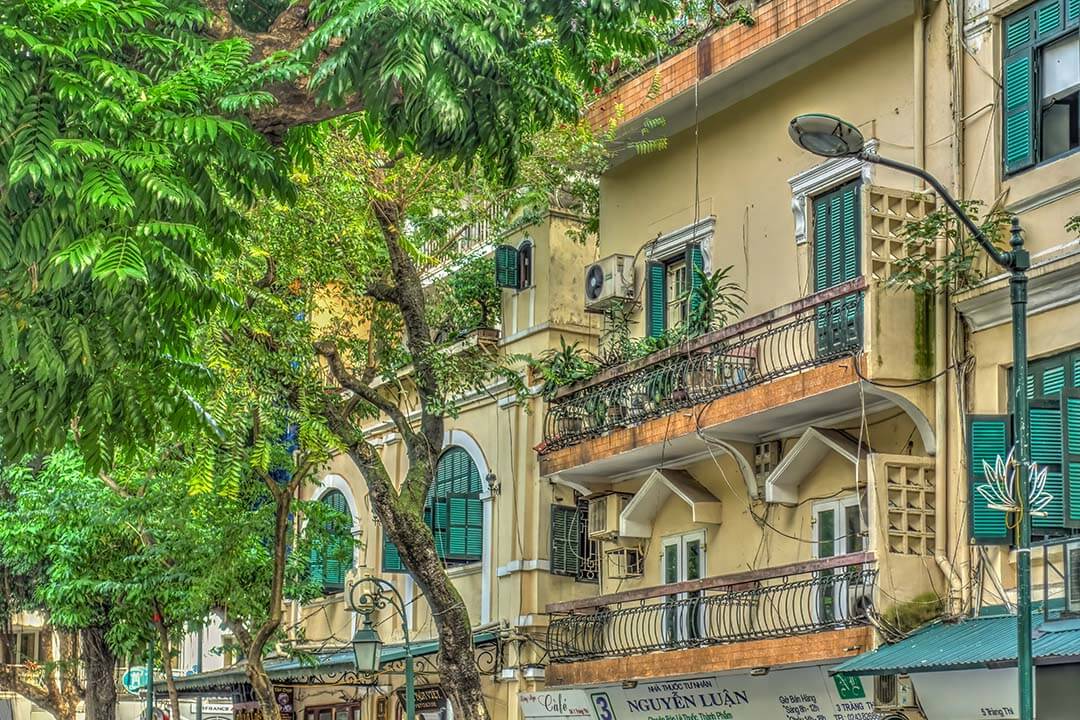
(525, 264)
(330, 565)
(453, 511)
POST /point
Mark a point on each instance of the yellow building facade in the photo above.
(707, 530)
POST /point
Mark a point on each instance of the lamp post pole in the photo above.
(378, 595)
(829, 136)
(1016, 261)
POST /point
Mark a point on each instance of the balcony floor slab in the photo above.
(813, 649)
(783, 406)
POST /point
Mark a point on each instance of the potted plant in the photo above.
(563, 366)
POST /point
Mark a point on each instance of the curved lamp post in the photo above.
(366, 597)
(832, 137)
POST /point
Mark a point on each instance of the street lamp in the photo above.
(832, 137)
(366, 597)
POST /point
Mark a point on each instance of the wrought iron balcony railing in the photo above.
(812, 331)
(779, 602)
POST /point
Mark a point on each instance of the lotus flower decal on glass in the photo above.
(1000, 488)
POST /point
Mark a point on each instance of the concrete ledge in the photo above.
(801, 649)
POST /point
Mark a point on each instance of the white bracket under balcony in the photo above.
(782, 485)
(636, 518)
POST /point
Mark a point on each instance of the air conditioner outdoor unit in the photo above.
(608, 281)
(1072, 577)
(604, 514)
(893, 692)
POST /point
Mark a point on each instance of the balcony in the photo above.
(780, 602)
(817, 330)
(772, 375)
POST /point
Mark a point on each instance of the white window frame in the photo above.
(682, 619)
(672, 245)
(822, 177)
(840, 590)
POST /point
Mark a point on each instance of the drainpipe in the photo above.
(941, 383)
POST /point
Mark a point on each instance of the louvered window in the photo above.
(670, 288)
(330, 565)
(1053, 390)
(453, 511)
(836, 260)
(573, 552)
(1041, 83)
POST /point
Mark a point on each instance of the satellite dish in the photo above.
(594, 282)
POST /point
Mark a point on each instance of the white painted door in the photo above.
(682, 558)
(838, 530)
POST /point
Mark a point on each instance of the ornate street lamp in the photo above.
(829, 136)
(366, 597)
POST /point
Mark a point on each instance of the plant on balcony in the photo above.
(465, 300)
(715, 300)
(964, 264)
(564, 366)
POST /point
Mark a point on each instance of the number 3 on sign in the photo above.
(602, 705)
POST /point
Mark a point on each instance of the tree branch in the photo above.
(296, 103)
(347, 380)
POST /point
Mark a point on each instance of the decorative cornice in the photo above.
(1045, 197)
(674, 243)
(1052, 283)
(825, 176)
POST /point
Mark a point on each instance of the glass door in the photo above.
(683, 559)
(838, 530)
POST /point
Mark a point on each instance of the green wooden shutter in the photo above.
(1072, 12)
(316, 563)
(565, 558)
(656, 299)
(391, 558)
(1070, 455)
(1045, 426)
(506, 266)
(988, 438)
(1018, 143)
(849, 232)
(695, 261)
(454, 510)
(1049, 18)
(836, 261)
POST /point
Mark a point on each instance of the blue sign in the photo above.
(134, 679)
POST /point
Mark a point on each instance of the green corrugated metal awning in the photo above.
(972, 643)
(303, 670)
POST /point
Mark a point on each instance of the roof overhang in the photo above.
(782, 485)
(781, 58)
(664, 483)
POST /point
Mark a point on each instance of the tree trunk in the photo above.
(403, 522)
(100, 668)
(167, 668)
(255, 645)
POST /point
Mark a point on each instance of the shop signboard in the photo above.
(556, 704)
(808, 693)
(968, 694)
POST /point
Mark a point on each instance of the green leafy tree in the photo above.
(350, 263)
(133, 557)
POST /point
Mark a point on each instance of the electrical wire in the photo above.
(914, 383)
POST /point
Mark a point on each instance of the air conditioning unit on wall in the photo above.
(604, 514)
(893, 693)
(609, 281)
